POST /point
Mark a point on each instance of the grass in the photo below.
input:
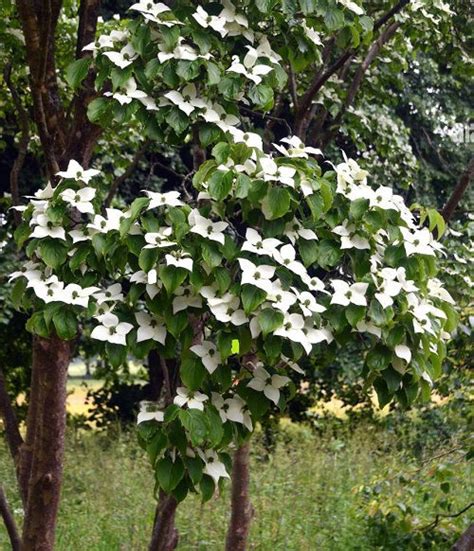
(305, 496)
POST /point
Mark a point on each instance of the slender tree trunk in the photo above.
(466, 541)
(165, 534)
(241, 508)
(458, 192)
(9, 522)
(43, 461)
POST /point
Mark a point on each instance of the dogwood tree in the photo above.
(262, 257)
(265, 253)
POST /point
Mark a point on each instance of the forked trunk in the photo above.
(42, 458)
(241, 508)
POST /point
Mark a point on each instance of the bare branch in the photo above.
(396, 9)
(458, 192)
(23, 143)
(440, 516)
(9, 521)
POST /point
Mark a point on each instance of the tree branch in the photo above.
(458, 192)
(440, 516)
(88, 14)
(23, 143)
(14, 439)
(9, 521)
(322, 76)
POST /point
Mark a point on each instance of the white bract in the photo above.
(270, 385)
(111, 329)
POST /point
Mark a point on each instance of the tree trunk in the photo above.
(241, 508)
(42, 460)
(165, 534)
(458, 192)
(466, 541)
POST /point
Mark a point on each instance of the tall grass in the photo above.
(305, 495)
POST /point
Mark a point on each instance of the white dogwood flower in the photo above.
(249, 68)
(349, 238)
(77, 295)
(124, 58)
(213, 21)
(279, 173)
(75, 171)
(194, 400)
(108, 223)
(270, 385)
(170, 198)
(307, 303)
(388, 287)
(149, 328)
(46, 228)
(255, 244)
(180, 259)
(418, 241)
(296, 148)
(209, 355)
(286, 256)
(49, 290)
(187, 101)
(111, 329)
(294, 230)
(185, 299)
(80, 199)
(258, 276)
(150, 279)
(213, 466)
(159, 239)
(345, 294)
(113, 293)
(207, 228)
(293, 329)
(131, 93)
(149, 412)
(232, 409)
(281, 299)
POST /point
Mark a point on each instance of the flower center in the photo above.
(257, 275)
(349, 294)
(209, 230)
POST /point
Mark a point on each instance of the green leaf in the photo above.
(169, 474)
(97, 108)
(116, 354)
(207, 487)
(156, 445)
(220, 184)
(276, 203)
(334, 19)
(396, 336)
(378, 358)
(178, 121)
(65, 323)
(21, 234)
(252, 297)
(148, 259)
(243, 185)
(37, 325)
(262, 96)
(194, 421)
(77, 71)
(211, 255)
(176, 323)
(358, 208)
(329, 253)
(194, 467)
(265, 6)
(216, 430)
(392, 379)
(53, 252)
(213, 73)
(269, 320)
(209, 134)
(18, 291)
(192, 372)
(354, 314)
(172, 277)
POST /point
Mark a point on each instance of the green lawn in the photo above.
(305, 497)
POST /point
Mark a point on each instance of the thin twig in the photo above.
(9, 521)
(440, 516)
